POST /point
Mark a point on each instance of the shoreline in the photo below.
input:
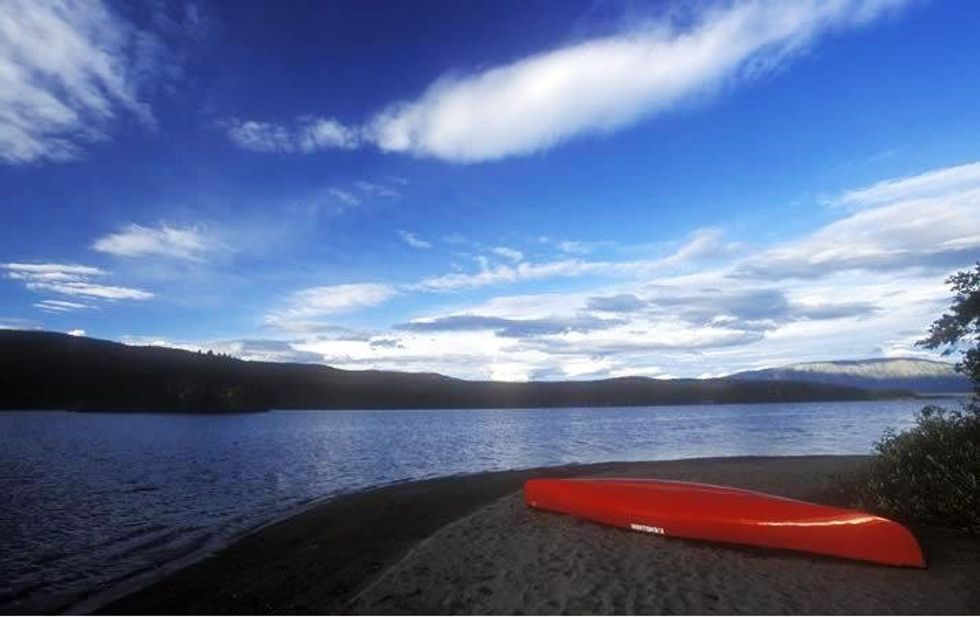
(398, 548)
(874, 396)
(101, 602)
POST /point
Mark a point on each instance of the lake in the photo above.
(97, 503)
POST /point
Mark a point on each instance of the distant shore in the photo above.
(52, 370)
(467, 544)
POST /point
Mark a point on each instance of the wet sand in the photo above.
(467, 544)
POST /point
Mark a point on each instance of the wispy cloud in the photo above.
(164, 241)
(413, 241)
(377, 189)
(345, 197)
(574, 247)
(855, 287)
(514, 274)
(508, 327)
(51, 272)
(305, 135)
(455, 238)
(605, 84)
(596, 86)
(929, 184)
(702, 243)
(70, 280)
(362, 191)
(258, 350)
(61, 306)
(304, 310)
(508, 253)
(661, 327)
(619, 303)
(67, 71)
(924, 220)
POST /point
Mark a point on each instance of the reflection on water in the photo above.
(94, 500)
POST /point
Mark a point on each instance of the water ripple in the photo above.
(95, 501)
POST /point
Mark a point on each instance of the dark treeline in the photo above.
(47, 370)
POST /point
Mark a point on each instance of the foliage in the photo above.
(931, 473)
(961, 326)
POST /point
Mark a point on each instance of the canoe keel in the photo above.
(723, 514)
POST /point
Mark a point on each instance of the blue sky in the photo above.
(506, 190)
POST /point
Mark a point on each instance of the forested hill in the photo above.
(917, 375)
(47, 370)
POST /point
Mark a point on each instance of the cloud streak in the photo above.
(70, 280)
(511, 328)
(701, 244)
(61, 306)
(305, 135)
(852, 288)
(66, 73)
(164, 241)
(304, 310)
(593, 87)
(413, 241)
(929, 184)
(924, 220)
(602, 85)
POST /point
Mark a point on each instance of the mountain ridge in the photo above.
(49, 370)
(916, 374)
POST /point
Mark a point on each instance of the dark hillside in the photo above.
(46, 370)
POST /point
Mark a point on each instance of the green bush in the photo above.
(929, 474)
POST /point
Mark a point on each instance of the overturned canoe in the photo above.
(723, 514)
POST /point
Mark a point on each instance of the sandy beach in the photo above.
(467, 544)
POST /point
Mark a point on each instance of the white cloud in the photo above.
(514, 274)
(929, 184)
(572, 246)
(61, 306)
(164, 241)
(687, 326)
(361, 191)
(455, 238)
(413, 241)
(50, 272)
(258, 350)
(70, 280)
(77, 332)
(508, 253)
(474, 355)
(345, 197)
(66, 73)
(605, 84)
(925, 220)
(680, 326)
(867, 284)
(304, 309)
(702, 243)
(92, 290)
(305, 135)
(375, 189)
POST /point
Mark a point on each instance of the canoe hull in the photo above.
(729, 515)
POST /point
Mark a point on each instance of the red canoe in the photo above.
(723, 514)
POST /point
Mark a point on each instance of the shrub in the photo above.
(929, 474)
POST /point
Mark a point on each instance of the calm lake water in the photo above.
(96, 503)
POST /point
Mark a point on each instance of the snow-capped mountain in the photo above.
(877, 374)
